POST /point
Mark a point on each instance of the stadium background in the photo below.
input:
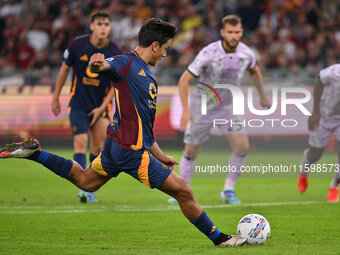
(292, 39)
(40, 213)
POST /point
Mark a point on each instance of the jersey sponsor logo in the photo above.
(90, 74)
(84, 58)
(142, 73)
(90, 81)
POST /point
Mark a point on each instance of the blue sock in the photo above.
(80, 158)
(206, 226)
(92, 157)
(56, 164)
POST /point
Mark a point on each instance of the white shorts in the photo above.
(199, 129)
(319, 138)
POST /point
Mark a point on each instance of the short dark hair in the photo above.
(100, 15)
(231, 20)
(155, 30)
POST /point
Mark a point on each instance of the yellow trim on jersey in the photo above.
(135, 53)
(97, 166)
(109, 105)
(73, 88)
(117, 101)
(143, 170)
(139, 144)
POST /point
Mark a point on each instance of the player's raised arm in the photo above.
(183, 87)
(98, 64)
(256, 76)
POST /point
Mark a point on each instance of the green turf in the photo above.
(40, 214)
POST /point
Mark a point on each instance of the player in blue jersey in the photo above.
(130, 146)
(91, 94)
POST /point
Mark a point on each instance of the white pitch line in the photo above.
(127, 208)
(49, 211)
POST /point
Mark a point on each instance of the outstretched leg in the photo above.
(87, 180)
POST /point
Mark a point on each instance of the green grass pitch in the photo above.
(40, 214)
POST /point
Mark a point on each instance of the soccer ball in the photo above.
(255, 227)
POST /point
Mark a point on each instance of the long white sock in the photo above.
(187, 167)
(235, 162)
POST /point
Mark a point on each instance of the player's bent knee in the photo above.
(244, 149)
(89, 188)
(81, 180)
(192, 150)
(80, 142)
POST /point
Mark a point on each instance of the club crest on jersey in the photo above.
(242, 62)
(165, 166)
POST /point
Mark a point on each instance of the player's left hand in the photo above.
(169, 161)
(264, 102)
(96, 112)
